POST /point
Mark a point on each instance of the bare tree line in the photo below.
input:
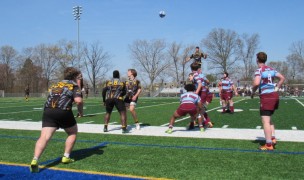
(155, 60)
(43, 64)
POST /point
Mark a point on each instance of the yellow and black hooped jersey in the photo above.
(114, 89)
(62, 94)
(132, 87)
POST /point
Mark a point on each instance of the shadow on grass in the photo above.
(89, 115)
(259, 140)
(145, 124)
(77, 155)
(129, 127)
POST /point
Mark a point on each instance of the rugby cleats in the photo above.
(274, 142)
(266, 148)
(169, 131)
(125, 130)
(191, 126)
(137, 126)
(66, 160)
(34, 168)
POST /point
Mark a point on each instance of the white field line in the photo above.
(136, 108)
(98, 104)
(298, 101)
(88, 122)
(294, 128)
(206, 111)
(26, 120)
(112, 123)
(89, 114)
(20, 112)
(225, 126)
(18, 106)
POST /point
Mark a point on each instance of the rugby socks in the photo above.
(105, 126)
(268, 143)
(231, 108)
(170, 126)
(66, 155)
(136, 121)
(35, 158)
(224, 109)
(206, 117)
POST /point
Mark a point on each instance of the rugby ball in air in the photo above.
(162, 14)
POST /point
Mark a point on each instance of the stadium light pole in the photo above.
(77, 11)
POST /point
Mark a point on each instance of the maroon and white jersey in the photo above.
(189, 97)
(227, 84)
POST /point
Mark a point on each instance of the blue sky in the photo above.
(117, 23)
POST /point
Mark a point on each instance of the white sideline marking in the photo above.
(253, 109)
(75, 108)
(225, 126)
(26, 120)
(88, 122)
(113, 123)
(258, 127)
(298, 101)
(214, 133)
(294, 128)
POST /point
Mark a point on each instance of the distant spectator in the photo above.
(86, 89)
(27, 92)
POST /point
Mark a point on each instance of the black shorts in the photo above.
(118, 103)
(266, 112)
(128, 100)
(58, 118)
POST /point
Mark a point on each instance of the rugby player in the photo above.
(58, 114)
(264, 81)
(190, 103)
(112, 95)
(133, 89)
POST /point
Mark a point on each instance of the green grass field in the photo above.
(163, 157)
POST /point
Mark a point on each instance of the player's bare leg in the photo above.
(123, 118)
(106, 122)
(231, 107)
(224, 104)
(134, 115)
(71, 139)
(172, 120)
(45, 136)
(267, 128)
(80, 110)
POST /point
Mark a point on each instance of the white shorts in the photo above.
(131, 103)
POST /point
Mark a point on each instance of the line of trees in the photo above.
(156, 61)
(43, 64)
